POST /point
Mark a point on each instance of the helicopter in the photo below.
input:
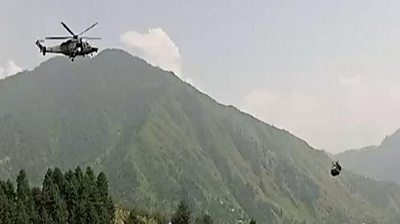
(73, 47)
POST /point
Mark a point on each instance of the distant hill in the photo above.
(159, 140)
(378, 162)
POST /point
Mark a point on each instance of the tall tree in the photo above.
(6, 205)
(90, 185)
(9, 190)
(91, 214)
(37, 205)
(105, 207)
(23, 190)
(89, 193)
(55, 205)
(24, 203)
(59, 180)
(78, 174)
(21, 215)
(71, 195)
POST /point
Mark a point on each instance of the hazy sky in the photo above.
(327, 71)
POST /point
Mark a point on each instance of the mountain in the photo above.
(159, 140)
(378, 162)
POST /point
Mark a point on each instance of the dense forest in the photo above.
(70, 197)
(76, 197)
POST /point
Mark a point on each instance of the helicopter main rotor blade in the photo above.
(91, 38)
(57, 38)
(68, 29)
(87, 29)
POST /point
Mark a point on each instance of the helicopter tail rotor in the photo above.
(41, 46)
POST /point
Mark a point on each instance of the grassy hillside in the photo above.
(159, 140)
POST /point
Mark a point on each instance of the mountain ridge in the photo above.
(378, 162)
(159, 140)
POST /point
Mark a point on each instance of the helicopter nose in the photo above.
(95, 49)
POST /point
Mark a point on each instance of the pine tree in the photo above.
(3, 202)
(105, 207)
(48, 181)
(91, 214)
(71, 195)
(55, 206)
(37, 205)
(59, 180)
(9, 192)
(78, 174)
(83, 197)
(45, 218)
(46, 191)
(90, 185)
(182, 214)
(80, 211)
(6, 205)
(60, 213)
(24, 204)
(23, 190)
(60, 194)
(21, 215)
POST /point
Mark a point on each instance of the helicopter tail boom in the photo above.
(44, 49)
(41, 47)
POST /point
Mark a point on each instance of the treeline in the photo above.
(76, 197)
(71, 197)
(182, 215)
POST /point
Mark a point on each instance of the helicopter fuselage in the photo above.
(70, 48)
(74, 46)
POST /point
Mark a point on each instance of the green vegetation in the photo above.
(160, 141)
(182, 214)
(70, 197)
(204, 219)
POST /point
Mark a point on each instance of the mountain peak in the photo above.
(113, 54)
(160, 141)
(378, 162)
(392, 139)
(116, 52)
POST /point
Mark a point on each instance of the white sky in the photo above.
(327, 71)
